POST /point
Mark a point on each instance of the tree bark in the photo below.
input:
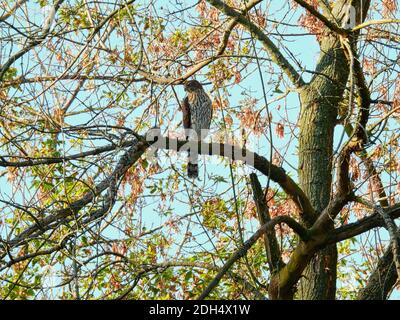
(319, 111)
(319, 103)
(382, 279)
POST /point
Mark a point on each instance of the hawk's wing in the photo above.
(186, 113)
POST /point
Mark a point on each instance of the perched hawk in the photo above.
(197, 113)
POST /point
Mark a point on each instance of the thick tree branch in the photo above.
(256, 161)
(363, 225)
(282, 284)
(271, 244)
(22, 80)
(373, 174)
(273, 51)
(30, 162)
(358, 137)
(326, 220)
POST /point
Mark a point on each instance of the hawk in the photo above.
(197, 113)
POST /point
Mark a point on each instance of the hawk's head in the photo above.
(192, 85)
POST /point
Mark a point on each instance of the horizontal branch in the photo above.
(363, 225)
(30, 162)
(374, 22)
(381, 280)
(135, 151)
(32, 44)
(391, 227)
(78, 77)
(282, 283)
(260, 163)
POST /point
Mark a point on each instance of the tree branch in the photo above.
(17, 5)
(273, 51)
(56, 217)
(381, 280)
(300, 230)
(391, 228)
(23, 80)
(363, 225)
(374, 22)
(332, 26)
(27, 48)
(277, 174)
(282, 284)
(358, 137)
(271, 244)
(30, 162)
(200, 65)
(135, 151)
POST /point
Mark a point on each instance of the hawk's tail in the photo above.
(193, 170)
(193, 167)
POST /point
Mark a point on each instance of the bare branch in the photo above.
(381, 280)
(332, 26)
(17, 5)
(363, 225)
(391, 228)
(271, 244)
(38, 40)
(302, 232)
(276, 56)
(260, 163)
(200, 65)
(374, 22)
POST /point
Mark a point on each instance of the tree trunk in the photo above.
(319, 110)
(319, 105)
